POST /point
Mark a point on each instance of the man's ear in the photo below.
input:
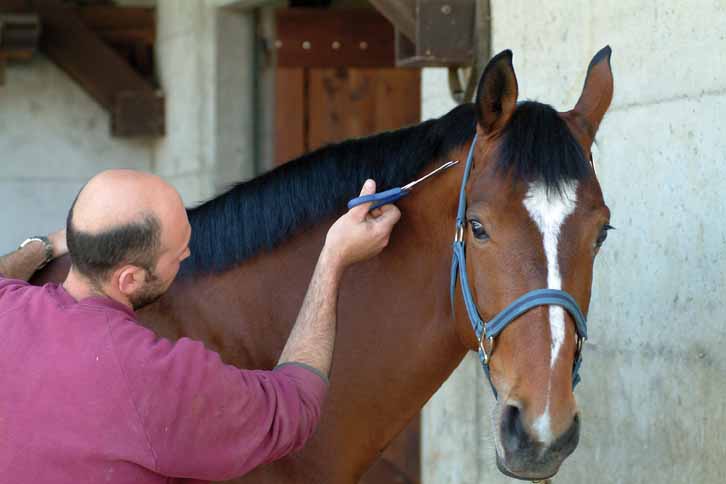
(597, 93)
(496, 96)
(130, 279)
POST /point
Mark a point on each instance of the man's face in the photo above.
(175, 248)
(152, 290)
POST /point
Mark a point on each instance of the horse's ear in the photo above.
(496, 96)
(597, 91)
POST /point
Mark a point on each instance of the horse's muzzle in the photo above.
(527, 459)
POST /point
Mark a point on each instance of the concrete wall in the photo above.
(54, 137)
(653, 396)
(205, 58)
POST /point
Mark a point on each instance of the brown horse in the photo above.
(536, 219)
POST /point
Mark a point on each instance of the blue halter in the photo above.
(539, 297)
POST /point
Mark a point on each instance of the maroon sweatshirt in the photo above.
(87, 395)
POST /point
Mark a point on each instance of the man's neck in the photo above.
(81, 288)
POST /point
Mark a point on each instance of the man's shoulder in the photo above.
(12, 292)
(6, 282)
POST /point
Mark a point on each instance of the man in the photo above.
(89, 395)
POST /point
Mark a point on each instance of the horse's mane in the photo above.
(262, 213)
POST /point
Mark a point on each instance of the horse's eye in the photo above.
(603, 235)
(478, 230)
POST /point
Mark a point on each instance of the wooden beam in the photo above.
(99, 70)
(138, 113)
(401, 13)
(309, 37)
(19, 35)
(110, 18)
(15, 6)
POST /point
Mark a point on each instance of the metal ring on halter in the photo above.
(459, 235)
(490, 339)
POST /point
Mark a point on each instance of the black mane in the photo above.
(262, 213)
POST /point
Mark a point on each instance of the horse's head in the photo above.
(535, 219)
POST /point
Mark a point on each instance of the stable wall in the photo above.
(54, 136)
(653, 395)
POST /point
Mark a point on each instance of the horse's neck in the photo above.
(395, 344)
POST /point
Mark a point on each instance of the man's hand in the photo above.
(359, 235)
(22, 263)
(354, 237)
(59, 243)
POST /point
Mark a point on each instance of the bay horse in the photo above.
(536, 218)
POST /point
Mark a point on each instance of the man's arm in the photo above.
(22, 263)
(356, 236)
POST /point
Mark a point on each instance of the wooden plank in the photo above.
(79, 52)
(138, 113)
(309, 37)
(290, 114)
(19, 35)
(95, 66)
(15, 6)
(350, 103)
(341, 105)
(401, 13)
(403, 86)
(110, 17)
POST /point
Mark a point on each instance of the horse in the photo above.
(536, 218)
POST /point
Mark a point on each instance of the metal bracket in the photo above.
(442, 33)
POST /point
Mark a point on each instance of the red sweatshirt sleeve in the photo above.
(10, 289)
(208, 420)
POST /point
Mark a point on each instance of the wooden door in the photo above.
(320, 104)
(317, 106)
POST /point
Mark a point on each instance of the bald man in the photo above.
(89, 395)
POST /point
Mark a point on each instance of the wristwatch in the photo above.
(46, 244)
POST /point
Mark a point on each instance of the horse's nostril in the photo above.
(514, 435)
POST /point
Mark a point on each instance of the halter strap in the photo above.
(538, 297)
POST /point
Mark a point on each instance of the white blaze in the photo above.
(542, 426)
(549, 212)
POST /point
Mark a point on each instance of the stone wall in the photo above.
(652, 399)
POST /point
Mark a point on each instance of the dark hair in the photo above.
(259, 214)
(95, 255)
(537, 146)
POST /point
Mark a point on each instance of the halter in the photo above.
(538, 297)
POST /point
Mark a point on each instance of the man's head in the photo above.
(127, 234)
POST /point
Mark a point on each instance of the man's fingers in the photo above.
(369, 188)
(390, 215)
